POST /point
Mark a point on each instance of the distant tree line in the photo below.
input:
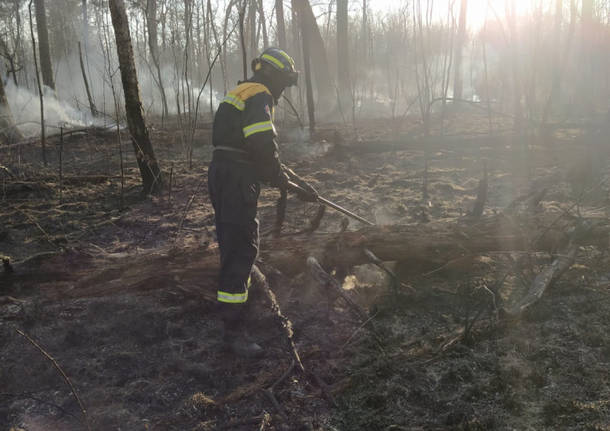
(419, 57)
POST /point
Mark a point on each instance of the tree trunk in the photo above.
(85, 26)
(263, 22)
(343, 75)
(457, 79)
(40, 90)
(149, 169)
(151, 18)
(10, 57)
(92, 107)
(586, 56)
(557, 64)
(364, 31)
(19, 49)
(242, 39)
(515, 68)
(281, 25)
(305, 39)
(43, 45)
(319, 61)
(9, 133)
(252, 26)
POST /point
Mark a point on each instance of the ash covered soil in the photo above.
(149, 356)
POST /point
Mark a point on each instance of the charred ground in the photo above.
(151, 357)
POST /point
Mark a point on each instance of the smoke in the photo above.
(25, 107)
(174, 87)
(68, 106)
(383, 216)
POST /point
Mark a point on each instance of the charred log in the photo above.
(421, 246)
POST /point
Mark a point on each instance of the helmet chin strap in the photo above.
(276, 92)
(273, 80)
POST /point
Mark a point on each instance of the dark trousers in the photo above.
(234, 193)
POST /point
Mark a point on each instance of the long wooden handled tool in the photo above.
(296, 187)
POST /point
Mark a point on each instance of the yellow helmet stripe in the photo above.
(287, 57)
(273, 60)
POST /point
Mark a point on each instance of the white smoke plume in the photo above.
(25, 107)
(68, 105)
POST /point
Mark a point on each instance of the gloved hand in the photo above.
(281, 181)
(306, 193)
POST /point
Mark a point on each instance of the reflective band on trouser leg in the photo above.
(235, 298)
(232, 298)
(263, 126)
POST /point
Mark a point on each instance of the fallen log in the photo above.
(429, 245)
(543, 281)
(327, 282)
(341, 149)
(420, 246)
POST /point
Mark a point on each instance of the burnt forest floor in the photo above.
(436, 359)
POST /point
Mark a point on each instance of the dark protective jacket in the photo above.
(243, 130)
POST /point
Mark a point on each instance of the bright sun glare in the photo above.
(478, 10)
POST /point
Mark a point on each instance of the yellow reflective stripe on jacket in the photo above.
(246, 90)
(235, 101)
(263, 126)
(273, 60)
(232, 298)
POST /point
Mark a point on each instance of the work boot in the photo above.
(235, 334)
(241, 345)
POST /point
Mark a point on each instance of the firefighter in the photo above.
(246, 155)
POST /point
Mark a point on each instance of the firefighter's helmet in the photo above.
(279, 60)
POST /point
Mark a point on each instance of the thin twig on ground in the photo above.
(187, 208)
(61, 371)
(286, 326)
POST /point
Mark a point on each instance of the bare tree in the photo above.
(253, 7)
(343, 75)
(319, 61)
(9, 133)
(364, 32)
(16, 55)
(457, 80)
(85, 25)
(11, 58)
(153, 45)
(585, 55)
(515, 67)
(306, 38)
(149, 169)
(263, 22)
(557, 64)
(242, 38)
(281, 25)
(92, 107)
(43, 44)
(40, 92)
